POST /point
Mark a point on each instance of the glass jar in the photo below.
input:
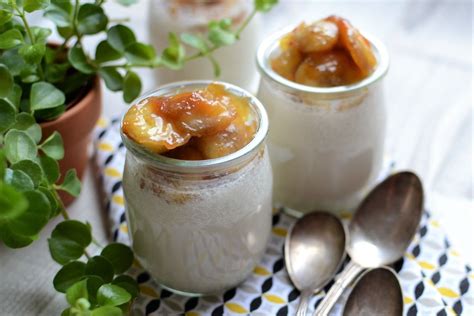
(192, 16)
(326, 144)
(199, 227)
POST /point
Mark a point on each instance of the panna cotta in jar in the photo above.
(321, 86)
(193, 16)
(197, 185)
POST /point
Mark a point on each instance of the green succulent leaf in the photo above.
(195, 41)
(53, 146)
(18, 145)
(45, 96)
(77, 291)
(120, 37)
(34, 5)
(13, 61)
(7, 115)
(119, 255)
(112, 295)
(13, 203)
(105, 52)
(71, 183)
(61, 16)
(35, 217)
(73, 230)
(68, 275)
(40, 34)
(12, 239)
(91, 19)
(50, 168)
(10, 39)
(107, 311)
(19, 180)
(264, 5)
(113, 79)
(32, 53)
(101, 267)
(219, 34)
(128, 283)
(173, 56)
(32, 169)
(141, 54)
(14, 97)
(93, 284)
(25, 122)
(52, 201)
(132, 86)
(78, 60)
(69, 240)
(5, 16)
(6, 81)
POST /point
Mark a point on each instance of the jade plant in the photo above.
(39, 80)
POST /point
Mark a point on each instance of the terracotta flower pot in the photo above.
(75, 127)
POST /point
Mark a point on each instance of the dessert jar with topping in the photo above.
(192, 16)
(199, 226)
(326, 142)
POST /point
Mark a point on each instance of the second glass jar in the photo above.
(193, 16)
(326, 144)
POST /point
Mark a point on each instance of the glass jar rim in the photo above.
(271, 43)
(200, 166)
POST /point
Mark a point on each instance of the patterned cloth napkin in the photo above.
(434, 279)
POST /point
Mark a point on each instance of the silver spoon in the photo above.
(314, 251)
(380, 231)
(377, 292)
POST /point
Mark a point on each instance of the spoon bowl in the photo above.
(386, 221)
(380, 231)
(314, 251)
(377, 292)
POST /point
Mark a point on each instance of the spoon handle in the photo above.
(304, 301)
(349, 274)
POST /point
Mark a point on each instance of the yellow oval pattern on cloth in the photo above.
(435, 223)
(148, 291)
(124, 228)
(192, 314)
(407, 300)
(426, 265)
(259, 270)
(105, 147)
(112, 172)
(279, 231)
(448, 292)
(236, 308)
(102, 122)
(274, 298)
(118, 199)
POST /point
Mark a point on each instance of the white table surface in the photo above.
(429, 96)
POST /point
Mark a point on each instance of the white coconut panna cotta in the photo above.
(322, 91)
(197, 185)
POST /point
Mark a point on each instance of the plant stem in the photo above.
(22, 16)
(244, 25)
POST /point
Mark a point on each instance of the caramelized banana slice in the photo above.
(316, 37)
(149, 129)
(199, 113)
(356, 44)
(327, 69)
